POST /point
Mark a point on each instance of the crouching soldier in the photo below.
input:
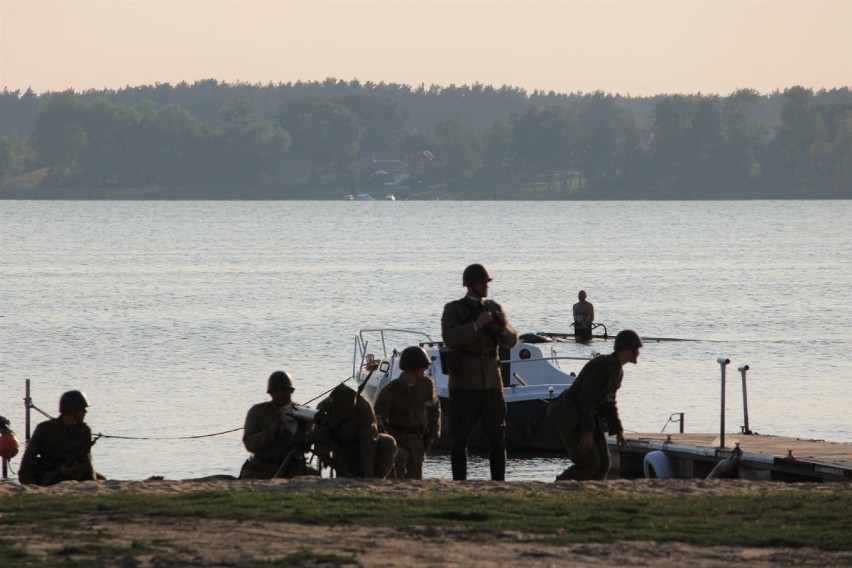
(347, 437)
(61, 449)
(409, 411)
(274, 436)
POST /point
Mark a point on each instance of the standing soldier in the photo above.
(409, 410)
(346, 435)
(587, 409)
(272, 432)
(60, 449)
(476, 329)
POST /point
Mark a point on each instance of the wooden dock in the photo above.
(775, 458)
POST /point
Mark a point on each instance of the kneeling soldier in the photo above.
(408, 409)
(273, 434)
(60, 449)
(346, 436)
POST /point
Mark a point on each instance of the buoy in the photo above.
(657, 466)
(8, 445)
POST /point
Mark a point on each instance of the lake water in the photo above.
(171, 315)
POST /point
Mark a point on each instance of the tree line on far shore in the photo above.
(321, 140)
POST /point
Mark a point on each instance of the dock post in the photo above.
(28, 402)
(742, 369)
(723, 361)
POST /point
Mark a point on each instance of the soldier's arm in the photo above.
(27, 469)
(258, 436)
(456, 331)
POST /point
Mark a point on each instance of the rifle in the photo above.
(56, 475)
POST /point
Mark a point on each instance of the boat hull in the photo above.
(527, 429)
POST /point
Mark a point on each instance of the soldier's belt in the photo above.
(479, 354)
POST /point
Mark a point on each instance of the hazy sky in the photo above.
(633, 47)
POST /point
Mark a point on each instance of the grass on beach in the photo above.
(787, 519)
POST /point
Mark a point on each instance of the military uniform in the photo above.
(411, 414)
(346, 430)
(475, 382)
(589, 405)
(52, 445)
(270, 433)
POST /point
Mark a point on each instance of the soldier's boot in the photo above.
(459, 462)
(497, 459)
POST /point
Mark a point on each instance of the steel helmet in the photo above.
(627, 340)
(414, 358)
(279, 380)
(474, 274)
(581, 295)
(72, 401)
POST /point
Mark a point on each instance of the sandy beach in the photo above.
(214, 542)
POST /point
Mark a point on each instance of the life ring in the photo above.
(657, 466)
(371, 365)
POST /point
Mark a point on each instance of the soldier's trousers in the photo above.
(593, 465)
(467, 408)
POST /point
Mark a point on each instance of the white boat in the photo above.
(532, 380)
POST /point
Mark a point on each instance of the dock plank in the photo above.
(835, 453)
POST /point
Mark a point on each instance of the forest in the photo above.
(335, 138)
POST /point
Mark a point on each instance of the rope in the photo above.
(328, 391)
(31, 405)
(46, 415)
(169, 437)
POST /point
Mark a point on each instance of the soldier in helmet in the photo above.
(60, 448)
(478, 330)
(409, 410)
(587, 410)
(272, 431)
(347, 436)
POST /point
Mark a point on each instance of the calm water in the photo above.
(170, 315)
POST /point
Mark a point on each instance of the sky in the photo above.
(628, 47)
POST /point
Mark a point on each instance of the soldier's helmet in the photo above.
(414, 358)
(72, 401)
(279, 380)
(474, 274)
(581, 295)
(627, 340)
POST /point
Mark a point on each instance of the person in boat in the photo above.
(587, 410)
(274, 435)
(346, 436)
(584, 316)
(61, 448)
(409, 410)
(476, 330)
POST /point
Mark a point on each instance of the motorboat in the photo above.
(531, 378)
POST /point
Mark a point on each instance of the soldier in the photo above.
(60, 448)
(477, 329)
(272, 434)
(409, 410)
(346, 435)
(587, 410)
(584, 316)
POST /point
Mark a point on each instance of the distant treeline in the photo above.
(212, 140)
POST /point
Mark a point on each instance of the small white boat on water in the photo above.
(531, 381)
